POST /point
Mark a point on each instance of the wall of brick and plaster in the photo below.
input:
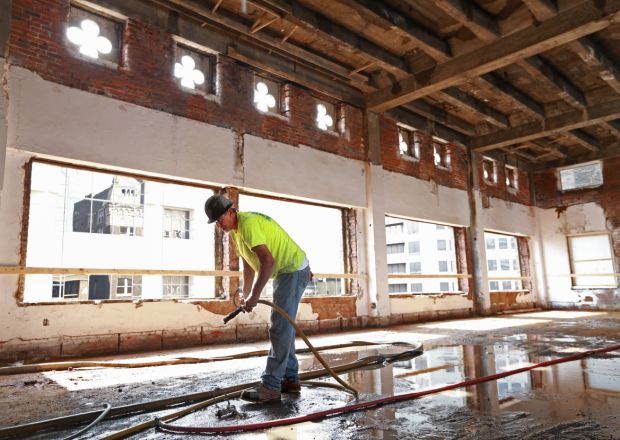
(135, 118)
(577, 212)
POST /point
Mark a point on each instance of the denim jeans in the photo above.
(282, 362)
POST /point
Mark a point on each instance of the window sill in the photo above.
(408, 158)
(594, 287)
(427, 294)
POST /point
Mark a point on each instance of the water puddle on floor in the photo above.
(574, 400)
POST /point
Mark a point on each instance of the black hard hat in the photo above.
(216, 205)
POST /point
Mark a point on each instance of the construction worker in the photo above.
(268, 251)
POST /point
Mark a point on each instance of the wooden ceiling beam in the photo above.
(431, 127)
(342, 38)
(428, 42)
(593, 53)
(437, 114)
(584, 139)
(587, 17)
(200, 11)
(542, 9)
(484, 111)
(538, 66)
(472, 16)
(555, 125)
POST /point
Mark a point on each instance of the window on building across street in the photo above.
(587, 175)
(176, 223)
(397, 288)
(175, 287)
(441, 154)
(266, 95)
(412, 227)
(444, 286)
(94, 36)
(430, 248)
(512, 177)
(325, 116)
(489, 171)
(591, 258)
(409, 142)
(316, 229)
(396, 248)
(397, 268)
(394, 229)
(416, 287)
(80, 218)
(194, 70)
(499, 261)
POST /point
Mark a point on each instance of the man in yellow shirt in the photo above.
(267, 250)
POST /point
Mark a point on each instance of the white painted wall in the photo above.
(419, 199)
(554, 226)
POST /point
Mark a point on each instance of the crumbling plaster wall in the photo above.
(555, 225)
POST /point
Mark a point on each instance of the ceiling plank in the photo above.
(341, 37)
(586, 18)
(476, 19)
(555, 125)
(439, 115)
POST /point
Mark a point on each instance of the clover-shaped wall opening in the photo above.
(94, 36)
(266, 95)
(441, 154)
(193, 70)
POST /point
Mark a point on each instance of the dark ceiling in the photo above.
(536, 81)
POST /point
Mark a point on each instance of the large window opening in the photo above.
(316, 229)
(503, 263)
(423, 249)
(80, 218)
(591, 261)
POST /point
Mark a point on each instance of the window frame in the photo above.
(572, 261)
(412, 138)
(492, 177)
(25, 233)
(278, 86)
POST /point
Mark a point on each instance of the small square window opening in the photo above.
(94, 36)
(409, 143)
(489, 171)
(194, 70)
(441, 155)
(266, 95)
(512, 177)
(325, 116)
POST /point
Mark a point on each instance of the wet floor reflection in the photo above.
(579, 399)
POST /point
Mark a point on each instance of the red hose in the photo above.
(377, 402)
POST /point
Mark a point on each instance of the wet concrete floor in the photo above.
(574, 400)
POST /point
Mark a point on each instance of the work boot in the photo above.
(289, 386)
(260, 394)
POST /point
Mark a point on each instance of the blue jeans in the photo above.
(282, 362)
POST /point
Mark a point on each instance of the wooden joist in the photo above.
(586, 18)
(555, 125)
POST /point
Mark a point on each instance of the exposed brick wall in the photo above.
(144, 77)
(499, 190)
(424, 168)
